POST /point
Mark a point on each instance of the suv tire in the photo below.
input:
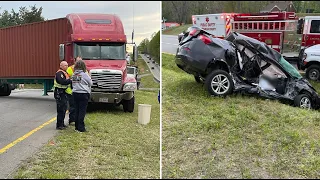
(219, 83)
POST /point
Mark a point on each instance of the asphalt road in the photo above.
(156, 71)
(169, 44)
(20, 113)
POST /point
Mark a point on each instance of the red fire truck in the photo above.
(283, 31)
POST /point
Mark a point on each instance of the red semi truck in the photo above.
(31, 53)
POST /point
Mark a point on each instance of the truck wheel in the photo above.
(128, 105)
(303, 101)
(313, 72)
(197, 78)
(219, 83)
(5, 91)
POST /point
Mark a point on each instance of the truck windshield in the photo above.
(98, 51)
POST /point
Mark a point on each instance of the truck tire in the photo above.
(128, 105)
(219, 83)
(5, 91)
(303, 101)
(313, 72)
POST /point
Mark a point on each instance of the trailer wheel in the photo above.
(313, 72)
(128, 105)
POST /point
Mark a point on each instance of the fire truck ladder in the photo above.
(285, 25)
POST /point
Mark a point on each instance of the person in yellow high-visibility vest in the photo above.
(70, 71)
(61, 82)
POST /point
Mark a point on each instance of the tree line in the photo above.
(181, 11)
(151, 47)
(23, 16)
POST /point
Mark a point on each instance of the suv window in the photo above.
(315, 26)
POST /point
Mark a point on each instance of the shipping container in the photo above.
(32, 50)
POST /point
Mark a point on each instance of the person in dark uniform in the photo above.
(61, 82)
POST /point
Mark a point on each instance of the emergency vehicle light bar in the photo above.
(258, 16)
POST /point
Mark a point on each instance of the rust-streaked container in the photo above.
(32, 50)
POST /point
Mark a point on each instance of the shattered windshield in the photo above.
(289, 68)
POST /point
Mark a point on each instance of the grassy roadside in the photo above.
(143, 67)
(176, 30)
(233, 137)
(115, 146)
(146, 81)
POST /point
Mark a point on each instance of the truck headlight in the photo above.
(130, 87)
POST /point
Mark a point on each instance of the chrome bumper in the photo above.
(112, 98)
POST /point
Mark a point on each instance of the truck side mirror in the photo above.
(61, 52)
(300, 26)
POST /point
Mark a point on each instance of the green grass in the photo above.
(143, 67)
(148, 82)
(233, 137)
(176, 30)
(115, 146)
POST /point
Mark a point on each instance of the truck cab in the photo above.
(101, 42)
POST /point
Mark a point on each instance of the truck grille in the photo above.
(106, 81)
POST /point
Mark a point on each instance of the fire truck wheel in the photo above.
(313, 72)
(128, 105)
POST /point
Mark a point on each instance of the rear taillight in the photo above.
(205, 39)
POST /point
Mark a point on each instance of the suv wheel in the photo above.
(219, 83)
(313, 72)
(303, 101)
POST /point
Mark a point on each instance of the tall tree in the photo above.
(155, 47)
(23, 16)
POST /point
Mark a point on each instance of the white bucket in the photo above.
(144, 113)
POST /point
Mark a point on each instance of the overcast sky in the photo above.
(146, 13)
